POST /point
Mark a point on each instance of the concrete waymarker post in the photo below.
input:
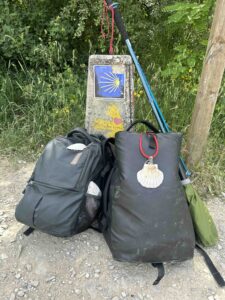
(109, 106)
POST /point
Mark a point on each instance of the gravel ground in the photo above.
(81, 267)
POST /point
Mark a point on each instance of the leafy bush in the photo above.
(44, 49)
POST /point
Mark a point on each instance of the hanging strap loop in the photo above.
(111, 7)
(144, 122)
(111, 50)
(105, 18)
(156, 146)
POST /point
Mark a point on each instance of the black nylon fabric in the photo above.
(55, 200)
(148, 225)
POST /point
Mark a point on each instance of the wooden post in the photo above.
(209, 86)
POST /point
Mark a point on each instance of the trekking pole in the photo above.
(184, 172)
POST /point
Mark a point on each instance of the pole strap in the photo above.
(213, 270)
(105, 18)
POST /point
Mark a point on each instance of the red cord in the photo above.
(156, 146)
(106, 17)
(111, 50)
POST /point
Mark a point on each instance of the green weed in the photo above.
(37, 107)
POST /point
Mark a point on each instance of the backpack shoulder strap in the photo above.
(161, 272)
(213, 270)
(28, 231)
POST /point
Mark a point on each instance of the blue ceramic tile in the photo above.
(107, 83)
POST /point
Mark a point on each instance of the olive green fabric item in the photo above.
(205, 228)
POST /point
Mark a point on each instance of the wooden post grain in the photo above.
(210, 82)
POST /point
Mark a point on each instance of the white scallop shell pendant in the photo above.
(150, 176)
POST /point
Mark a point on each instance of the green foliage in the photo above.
(37, 107)
(44, 50)
(190, 22)
(45, 33)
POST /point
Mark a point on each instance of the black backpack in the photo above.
(142, 224)
(63, 195)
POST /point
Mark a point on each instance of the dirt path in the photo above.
(45, 267)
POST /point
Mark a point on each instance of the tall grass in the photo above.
(35, 107)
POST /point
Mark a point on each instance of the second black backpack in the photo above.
(63, 195)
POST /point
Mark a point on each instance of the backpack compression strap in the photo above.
(161, 272)
(28, 231)
(213, 270)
